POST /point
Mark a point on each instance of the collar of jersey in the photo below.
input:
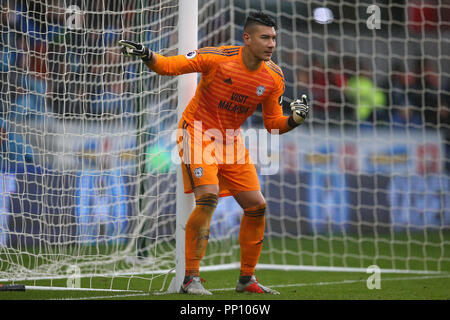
(241, 61)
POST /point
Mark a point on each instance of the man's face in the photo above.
(261, 40)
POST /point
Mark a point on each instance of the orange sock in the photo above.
(251, 236)
(197, 232)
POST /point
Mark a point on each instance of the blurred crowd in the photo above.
(51, 68)
(47, 64)
(345, 90)
(50, 65)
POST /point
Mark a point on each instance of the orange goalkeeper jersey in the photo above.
(228, 93)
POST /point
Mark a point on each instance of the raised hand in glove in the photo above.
(130, 48)
(300, 109)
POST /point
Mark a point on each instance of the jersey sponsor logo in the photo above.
(236, 104)
(191, 55)
(232, 107)
(239, 98)
(260, 90)
(198, 172)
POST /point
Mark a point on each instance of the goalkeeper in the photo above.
(235, 80)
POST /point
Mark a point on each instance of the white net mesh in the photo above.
(84, 131)
(87, 138)
(366, 179)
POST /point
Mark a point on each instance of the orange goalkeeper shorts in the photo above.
(206, 161)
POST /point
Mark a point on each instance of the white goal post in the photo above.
(89, 184)
(188, 39)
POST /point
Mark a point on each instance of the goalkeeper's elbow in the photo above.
(273, 128)
(270, 129)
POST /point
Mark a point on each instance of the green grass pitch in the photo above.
(413, 252)
(292, 285)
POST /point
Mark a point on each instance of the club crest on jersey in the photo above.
(191, 55)
(260, 90)
(198, 172)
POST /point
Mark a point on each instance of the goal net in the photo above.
(87, 174)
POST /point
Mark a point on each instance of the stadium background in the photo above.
(387, 184)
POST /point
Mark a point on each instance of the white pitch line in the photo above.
(108, 297)
(278, 286)
(75, 289)
(341, 282)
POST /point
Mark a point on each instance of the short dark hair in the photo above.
(260, 18)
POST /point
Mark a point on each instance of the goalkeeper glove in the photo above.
(130, 48)
(300, 110)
